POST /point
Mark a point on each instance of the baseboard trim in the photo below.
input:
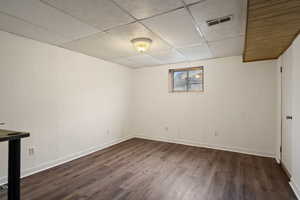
(295, 188)
(210, 146)
(286, 171)
(48, 165)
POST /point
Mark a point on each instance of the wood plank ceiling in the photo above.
(272, 25)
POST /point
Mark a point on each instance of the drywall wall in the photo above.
(237, 111)
(296, 117)
(71, 104)
(292, 59)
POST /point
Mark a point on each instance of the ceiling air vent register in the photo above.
(220, 20)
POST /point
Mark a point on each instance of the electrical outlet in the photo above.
(166, 128)
(216, 134)
(31, 151)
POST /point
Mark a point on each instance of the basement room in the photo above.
(149, 100)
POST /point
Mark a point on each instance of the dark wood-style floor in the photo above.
(142, 170)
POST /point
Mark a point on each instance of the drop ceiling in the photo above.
(104, 28)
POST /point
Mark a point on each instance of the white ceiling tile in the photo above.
(196, 52)
(226, 32)
(102, 45)
(212, 9)
(170, 56)
(40, 14)
(144, 60)
(146, 8)
(124, 62)
(175, 27)
(227, 47)
(135, 30)
(22, 28)
(192, 1)
(102, 14)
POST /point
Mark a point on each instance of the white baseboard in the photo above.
(54, 163)
(295, 188)
(210, 146)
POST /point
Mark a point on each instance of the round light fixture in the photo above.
(197, 76)
(141, 44)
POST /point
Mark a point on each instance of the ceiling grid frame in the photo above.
(186, 6)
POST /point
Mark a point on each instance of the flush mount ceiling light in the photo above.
(141, 44)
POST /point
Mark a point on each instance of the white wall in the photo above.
(296, 116)
(238, 110)
(66, 100)
(293, 55)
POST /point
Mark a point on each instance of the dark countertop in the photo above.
(6, 135)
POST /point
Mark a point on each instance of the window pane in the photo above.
(196, 87)
(180, 80)
(195, 80)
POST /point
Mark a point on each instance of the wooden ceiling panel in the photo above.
(272, 25)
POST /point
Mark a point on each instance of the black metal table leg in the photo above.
(14, 165)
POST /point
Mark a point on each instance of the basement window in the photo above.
(186, 79)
